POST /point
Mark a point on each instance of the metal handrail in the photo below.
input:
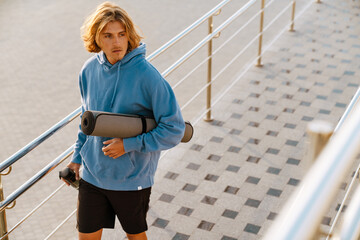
(249, 65)
(303, 212)
(354, 100)
(28, 184)
(350, 229)
(37, 141)
(206, 39)
(188, 30)
(32, 211)
(61, 224)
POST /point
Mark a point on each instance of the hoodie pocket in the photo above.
(104, 168)
(84, 147)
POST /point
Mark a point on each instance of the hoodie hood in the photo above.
(107, 66)
(101, 57)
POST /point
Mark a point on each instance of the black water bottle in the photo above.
(69, 176)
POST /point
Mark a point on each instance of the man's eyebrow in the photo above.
(112, 33)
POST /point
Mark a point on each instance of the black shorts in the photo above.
(98, 207)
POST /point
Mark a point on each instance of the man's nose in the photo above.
(116, 39)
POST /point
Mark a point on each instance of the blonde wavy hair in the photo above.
(95, 23)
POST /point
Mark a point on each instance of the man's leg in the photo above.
(139, 236)
(91, 236)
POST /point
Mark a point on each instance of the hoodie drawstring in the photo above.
(116, 84)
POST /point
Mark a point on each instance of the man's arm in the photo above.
(167, 114)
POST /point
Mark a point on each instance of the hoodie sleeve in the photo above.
(170, 124)
(81, 136)
(79, 143)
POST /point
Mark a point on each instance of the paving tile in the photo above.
(216, 139)
(274, 192)
(273, 170)
(293, 182)
(189, 187)
(251, 228)
(293, 161)
(180, 236)
(343, 208)
(253, 180)
(196, 147)
(160, 223)
(253, 159)
(211, 177)
(171, 175)
(209, 200)
(234, 149)
(185, 211)
(236, 115)
(231, 190)
(272, 216)
(272, 151)
(252, 203)
(206, 225)
(213, 157)
(228, 238)
(193, 166)
(291, 143)
(326, 221)
(230, 214)
(232, 168)
(166, 197)
(272, 133)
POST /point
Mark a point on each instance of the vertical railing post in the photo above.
(3, 224)
(261, 33)
(208, 117)
(319, 133)
(292, 16)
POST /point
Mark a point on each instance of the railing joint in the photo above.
(12, 206)
(8, 172)
(217, 13)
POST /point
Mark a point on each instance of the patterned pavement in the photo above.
(232, 179)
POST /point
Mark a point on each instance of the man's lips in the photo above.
(116, 50)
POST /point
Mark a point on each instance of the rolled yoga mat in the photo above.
(107, 124)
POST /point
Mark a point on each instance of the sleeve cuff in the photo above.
(76, 160)
(131, 144)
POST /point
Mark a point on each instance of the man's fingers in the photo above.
(77, 174)
(108, 141)
(106, 148)
(106, 152)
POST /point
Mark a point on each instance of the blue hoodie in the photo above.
(130, 86)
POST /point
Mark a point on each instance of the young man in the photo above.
(118, 173)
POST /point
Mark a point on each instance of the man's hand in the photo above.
(75, 167)
(114, 148)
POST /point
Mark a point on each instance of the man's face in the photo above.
(113, 41)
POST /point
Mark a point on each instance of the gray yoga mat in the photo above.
(107, 124)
